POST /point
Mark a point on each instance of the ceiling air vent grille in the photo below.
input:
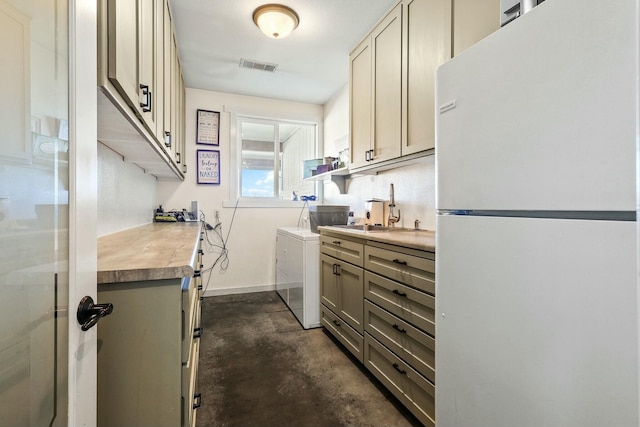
(256, 65)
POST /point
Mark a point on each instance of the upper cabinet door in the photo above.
(474, 20)
(386, 42)
(360, 100)
(123, 48)
(427, 35)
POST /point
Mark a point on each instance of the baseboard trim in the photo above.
(243, 290)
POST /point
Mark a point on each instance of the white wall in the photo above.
(126, 195)
(414, 185)
(251, 242)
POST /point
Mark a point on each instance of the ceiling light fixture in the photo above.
(275, 20)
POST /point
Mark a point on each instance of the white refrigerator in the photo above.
(537, 241)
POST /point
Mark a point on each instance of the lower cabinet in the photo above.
(148, 352)
(341, 291)
(382, 309)
(411, 388)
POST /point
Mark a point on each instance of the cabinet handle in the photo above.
(197, 400)
(399, 329)
(397, 368)
(201, 252)
(336, 269)
(400, 294)
(200, 287)
(167, 139)
(196, 273)
(335, 322)
(145, 98)
(337, 242)
(397, 261)
(366, 156)
(370, 155)
(178, 157)
(197, 332)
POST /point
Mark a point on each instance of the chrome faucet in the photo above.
(392, 204)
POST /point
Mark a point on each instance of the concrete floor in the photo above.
(258, 367)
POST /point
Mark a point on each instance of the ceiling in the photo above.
(313, 62)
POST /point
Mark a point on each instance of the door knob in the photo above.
(89, 313)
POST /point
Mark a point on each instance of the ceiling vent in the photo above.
(256, 65)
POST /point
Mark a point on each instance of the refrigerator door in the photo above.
(537, 323)
(541, 114)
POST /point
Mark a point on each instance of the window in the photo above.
(271, 155)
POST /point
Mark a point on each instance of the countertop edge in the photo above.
(406, 237)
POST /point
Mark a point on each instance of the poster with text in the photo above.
(208, 127)
(208, 162)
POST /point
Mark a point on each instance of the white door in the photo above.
(47, 211)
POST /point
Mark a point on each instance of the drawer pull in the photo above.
(397, 368)
(197, 400)
(200, 251)
(197, 332)
(399, 329)
(200, 287)
(335, 322)
(397, 261)
(196, 273)
(337, 242)
(400, 294)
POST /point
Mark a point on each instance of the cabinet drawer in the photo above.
(411, 388)
(344, 249)
(408, 269)
(190, 399)
(413, 306)
(343, 332)
(411, 344)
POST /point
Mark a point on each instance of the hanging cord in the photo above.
(218, 243)
(306, 204)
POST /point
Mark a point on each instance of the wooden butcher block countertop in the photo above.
(153, 251)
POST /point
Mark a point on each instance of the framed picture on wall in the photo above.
(208, 166)
(207, 127)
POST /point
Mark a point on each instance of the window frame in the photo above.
(235, 140)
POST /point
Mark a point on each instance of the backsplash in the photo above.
(126, 195)
(414, 193)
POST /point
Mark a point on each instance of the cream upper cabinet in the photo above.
(376, 86)
(158, 67)
(392, 77)
(122, 16)
(427, 44)
(360, 99)
(134, 42)
(473, 21)
(386, 42)
(139, 74)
